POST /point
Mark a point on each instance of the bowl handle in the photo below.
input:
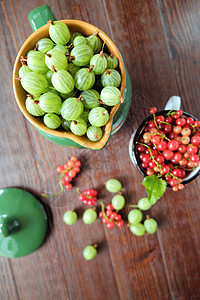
(39, 16)
(174, 103)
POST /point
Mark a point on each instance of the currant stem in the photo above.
(154, 118)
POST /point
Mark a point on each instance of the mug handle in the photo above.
(174, 103)
(39, 16)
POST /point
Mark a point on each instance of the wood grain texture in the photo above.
(159, 41)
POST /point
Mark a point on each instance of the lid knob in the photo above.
(8, 226)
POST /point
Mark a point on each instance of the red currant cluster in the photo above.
(169, 147)
(110, 217)
(68, 171)
(88, 197)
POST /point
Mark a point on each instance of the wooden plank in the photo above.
(182, 29)
(8, 288)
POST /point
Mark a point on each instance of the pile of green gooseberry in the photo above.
(70, 81)
(135, 216)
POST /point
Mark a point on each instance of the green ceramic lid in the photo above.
(23, 223)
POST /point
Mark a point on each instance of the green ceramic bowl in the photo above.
(38, 17)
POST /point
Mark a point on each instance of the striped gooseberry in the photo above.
(98, 116)
(99, 62)
(90, 98)
(111, 95)
(59, 32)
(50, 102)
(81, 55)
(80, 40)
(112, 61)
(94, 133)
(44, 45)
(36, 62)
(33, 107)
(150, 225)
(56, 59)
(78, 127)
(84, 79)
(34, 83)
(52, 121)
(72, 108)
(137, 229)
(135, 216)
(111, 77)
(62, 81)
(94, 42)
(113, 185)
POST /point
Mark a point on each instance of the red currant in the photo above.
(169, 119)
(166, 169)
(176, 172)
(183, 162)
(197, 124)
(173, 182)
(150, 171)
(177, 129)
(180, 186)
(167, 128)
(73, 158)
(151, 124)
(120, 223)
(195, 140)
(168, 154)
(162, 146)
(153, 110)
(146, 158)
(60, 169)
(182, 148)
(144, 165)
(118, 218)
(185, 131)
(108, 213)
(152, 164)
(140, 148)
(189, 121)
(77, 163)
(109, 207)
(180, 122)
(155, 139)
(110, 225)
(104, 220)
(160, 159)
(76, 169)
(90, 192)
(113, 215)
(179, 112)
(185, 140)
(194, 158)
(101, 214)
(173, 135)
(173, 145)
(66, 179)
(175, 188)
(68, 186)
(192, 149)
(177, 157)
(72, 173)
(160, 119)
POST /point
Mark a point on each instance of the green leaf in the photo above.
(155, 188)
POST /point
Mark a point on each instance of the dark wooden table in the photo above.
(160, 42)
